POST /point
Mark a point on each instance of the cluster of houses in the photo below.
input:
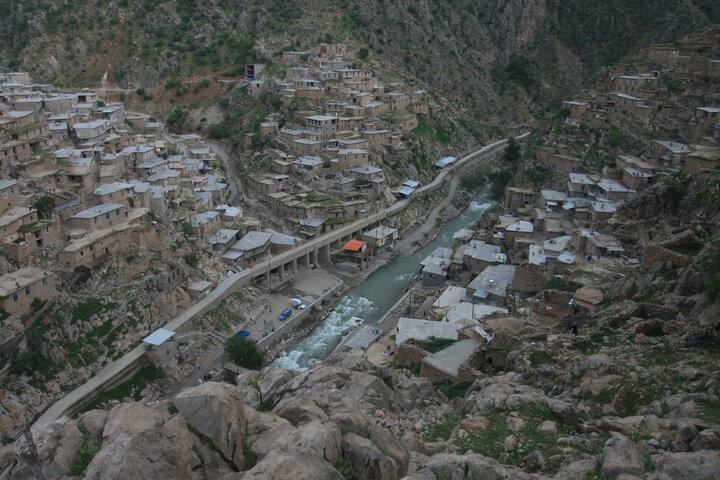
(472, 287)
(322, 175)
(642, 90)
(85, 180)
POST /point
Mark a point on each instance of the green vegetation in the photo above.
(90, 446)
(187, 229)
(83, 274)
(132, 388)
(249, 456)
(557, 283)
(192, 259)
(711, 265)
(512, 151)
(90, 307)
(453, 390)
(517, 71)
(244, 352)
(45, 206)
(499, 181)
(433, 344)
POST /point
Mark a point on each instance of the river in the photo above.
(370, 300)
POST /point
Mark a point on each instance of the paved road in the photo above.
(230, 284)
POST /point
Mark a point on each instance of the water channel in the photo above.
(370, 300)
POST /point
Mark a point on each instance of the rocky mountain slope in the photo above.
(489, 57)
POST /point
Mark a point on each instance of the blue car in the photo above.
(286, 314)
(242, 333)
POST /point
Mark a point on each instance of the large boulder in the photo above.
(216, 410)
(365, 458)
(621, 455)
(285, 465)
(461, 467)
(156, 452)
(129, 418)
(298, 410)
(57, 445)
(93, 423)
(273, 381)
(703, 465)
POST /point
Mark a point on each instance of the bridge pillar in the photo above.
(314, 257)
(325, 253)
(306, 260)
(294, 265)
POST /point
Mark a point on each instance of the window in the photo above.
(15, 297)
(107, 216)
(44, 281)
(5, 194)
(27, 290)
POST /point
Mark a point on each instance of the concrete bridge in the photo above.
(304, 254)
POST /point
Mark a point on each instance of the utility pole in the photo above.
(28, 454)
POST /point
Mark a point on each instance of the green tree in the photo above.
(244, 352)
(187, 229)
(512, 151)
(44, 205)
(192, 259)
(83, 274)
(363, 53)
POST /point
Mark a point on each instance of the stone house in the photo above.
(9, 194)
(669, 153)
(703, 157)
(254, 246)
(519, 198)
(478, 255)
(564, 163)
(350, 158)
(381, 238)
(579, 183)
(20, 288)
(206, 224)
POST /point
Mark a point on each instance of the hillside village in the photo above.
(568, 334)
(93, 190)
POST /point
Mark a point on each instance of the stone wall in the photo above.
(407, 354)
(656, 253)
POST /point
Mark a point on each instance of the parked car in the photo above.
(286, 314)
(242, 333)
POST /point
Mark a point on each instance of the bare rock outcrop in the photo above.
(216, 410)
(156, 452)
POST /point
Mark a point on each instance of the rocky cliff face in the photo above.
(490, 57)
(349, 419)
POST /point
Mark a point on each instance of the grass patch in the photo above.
(249, 457)
(137, 383)
(441, 430)
(90, 307)
(540, 357)
(453, 390)
(90, 446)
(433, 344)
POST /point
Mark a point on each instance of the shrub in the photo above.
(87, 452)
(83, 273)
(192, 259)
(557, 283)
(512, 151)
(244, 352)
(187, 229)
(44, 205)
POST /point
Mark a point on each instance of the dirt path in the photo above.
(235, 184)
(411, 239)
